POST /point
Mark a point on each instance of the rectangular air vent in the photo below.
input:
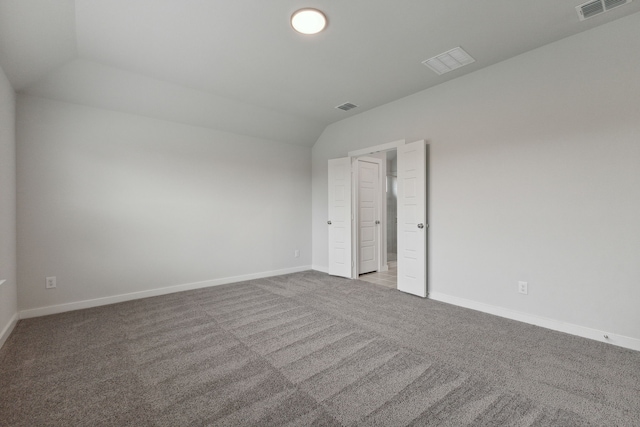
(346, 106)
(449, 61)
(590, 9)
(596, 7)
(610, 4)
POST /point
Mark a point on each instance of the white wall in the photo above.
(392, 205)
(534, 176)
(113, 203)
(8, 299)
(392, 214)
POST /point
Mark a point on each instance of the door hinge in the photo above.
(353, 264)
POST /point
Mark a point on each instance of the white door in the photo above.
(339, 221)
(412, 219)
(368, 212)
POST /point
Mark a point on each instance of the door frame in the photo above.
(350, 160)
(382, 216)
(354, 237)
(377, 148)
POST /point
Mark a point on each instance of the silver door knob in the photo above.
(421, 225)
(329, 222)
(377, 222)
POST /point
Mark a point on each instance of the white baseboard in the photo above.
(320, 269)
(79, 305)
(8, 329)
(556, 325)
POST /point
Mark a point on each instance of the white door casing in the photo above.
(412, 219)
(339, 221)
(368, 205)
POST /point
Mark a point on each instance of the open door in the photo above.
(368, 214)
(412, 218)
(339, 221)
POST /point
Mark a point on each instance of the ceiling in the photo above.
(238, 66)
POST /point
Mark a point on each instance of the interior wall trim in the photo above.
(96, 302)
(545, 322)
(377, 148)
(321, 269)
(4, 335)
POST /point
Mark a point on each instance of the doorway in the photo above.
(387, 275)
(369, 209)
(392, 206)
(412, 226)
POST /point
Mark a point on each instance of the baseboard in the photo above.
(326, 270)
(556, 325)
(320, 269)
(4, 335)
(79, 305)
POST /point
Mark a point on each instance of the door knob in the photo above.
(329, 222)
(421, 225)
(377, 222)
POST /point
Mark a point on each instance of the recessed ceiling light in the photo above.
(308, 21)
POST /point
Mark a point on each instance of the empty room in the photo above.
(289, 213)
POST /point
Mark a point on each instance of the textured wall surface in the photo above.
(534, 171)
(8, 301)
(112, 203)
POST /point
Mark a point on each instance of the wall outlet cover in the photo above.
(50, 282)
(523, 287)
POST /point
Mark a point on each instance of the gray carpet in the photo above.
(307, 349)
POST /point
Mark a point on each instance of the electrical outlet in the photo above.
(296, 253)
(523, 288)
(50, 282)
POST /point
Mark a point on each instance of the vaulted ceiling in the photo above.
(237, 65)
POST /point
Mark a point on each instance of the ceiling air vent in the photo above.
(346, 106)
(596, 7)
(610, 4)
(449, 61)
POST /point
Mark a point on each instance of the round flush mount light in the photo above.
(308, 21)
